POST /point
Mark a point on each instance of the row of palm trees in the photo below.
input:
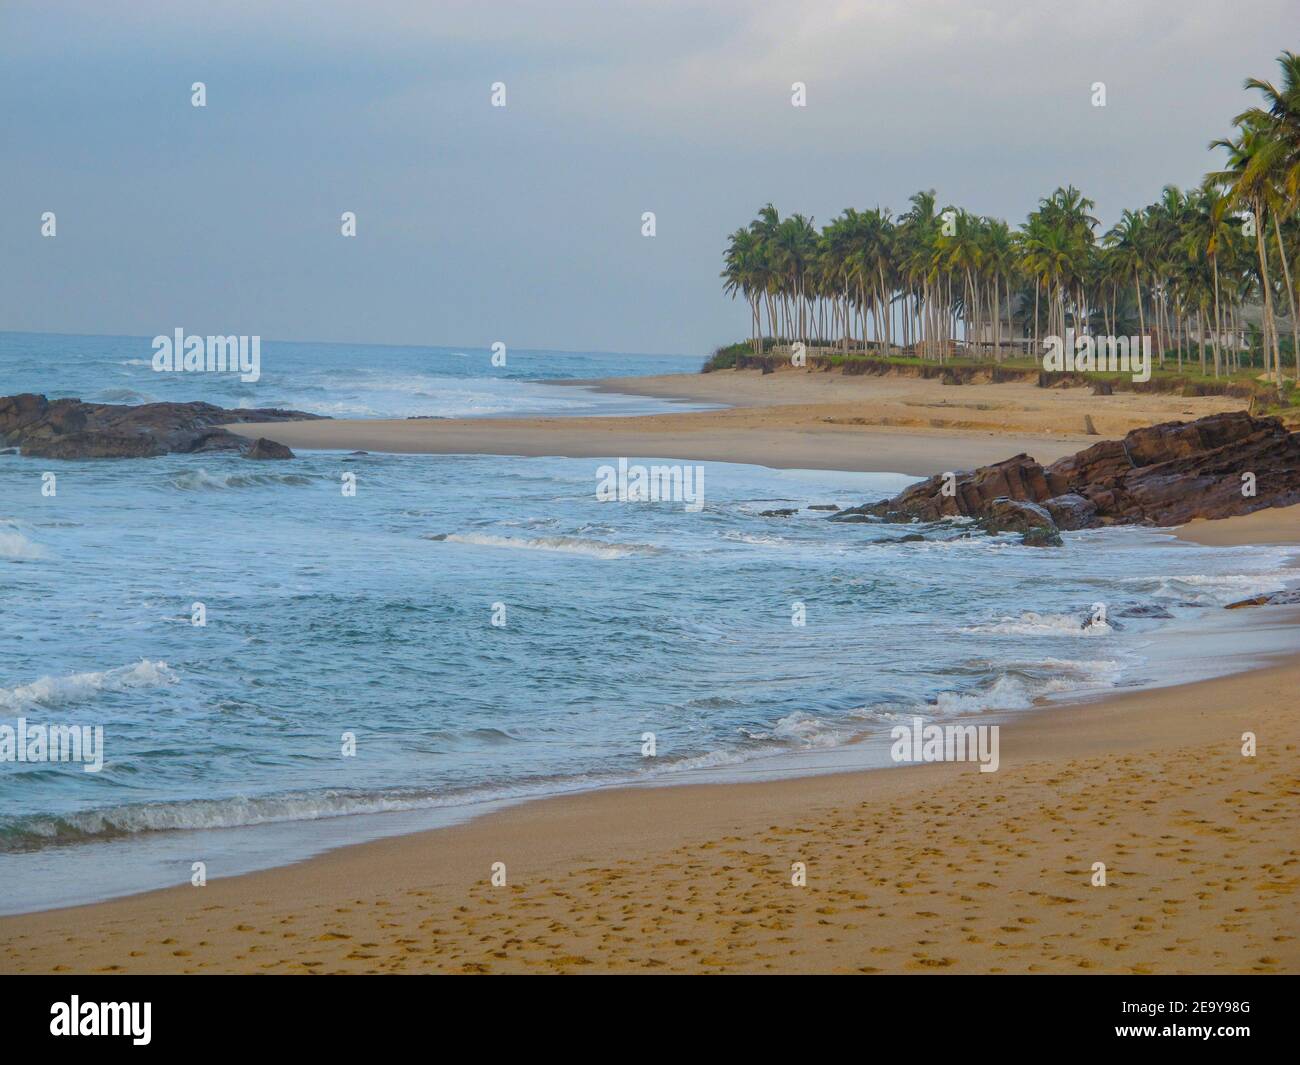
(1195, 270)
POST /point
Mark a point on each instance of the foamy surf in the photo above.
(568, 545)
(33, 832)
(1214, 589)
(1033, 624)
(14, 545)
(50, 692)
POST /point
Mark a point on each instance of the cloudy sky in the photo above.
(523, 224)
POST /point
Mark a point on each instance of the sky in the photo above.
(523, 223)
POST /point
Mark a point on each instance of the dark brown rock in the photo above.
(1018, 515)
(263, 448)
(1164, 474)
(1289, 596)
(1071, 511)
(71, 429)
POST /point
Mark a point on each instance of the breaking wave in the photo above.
(1032, 624)
(77, 687)
(15, 545)
(200, 479)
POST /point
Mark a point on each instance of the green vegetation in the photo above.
(1205, 273)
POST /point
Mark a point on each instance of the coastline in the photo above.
(785, 420)
(933, 868)
(589, 872)
(887, 565)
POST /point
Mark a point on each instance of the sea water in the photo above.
(480, 629)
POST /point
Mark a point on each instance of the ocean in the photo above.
(469, 630)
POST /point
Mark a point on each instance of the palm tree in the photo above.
(1278, 122)
(764, 227)
(1128, 243)
(743, 274)
(1252, 167)
(919, 282)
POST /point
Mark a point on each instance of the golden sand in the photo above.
(788, 420)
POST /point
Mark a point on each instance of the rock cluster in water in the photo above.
(71, 429)
(1215, 467)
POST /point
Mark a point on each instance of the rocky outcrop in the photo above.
(71, 429)
(1071, 511)
(1216, 467)
(1004, 514)
(262, 448)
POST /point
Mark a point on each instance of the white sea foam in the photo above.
(236, 812)
(762, 540)
(1013, 692)
(808, 730)
(1006, 693)
(569, 545)
(244, 812)
(14, 544)
(711, 760)
(1215, 588)
(1032, 624)
(60, 691)
(200, 478)
(1095, 667)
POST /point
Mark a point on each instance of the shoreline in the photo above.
(739, 436)
(639, 833)
(972, 872)
(784, 420)
(693, 876)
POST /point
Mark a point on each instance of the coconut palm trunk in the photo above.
(1290, 295)
(1270, 326)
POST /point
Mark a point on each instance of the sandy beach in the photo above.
(931, 869)
(790, 419)
(554, 489)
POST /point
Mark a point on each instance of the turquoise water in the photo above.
(330, 614)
